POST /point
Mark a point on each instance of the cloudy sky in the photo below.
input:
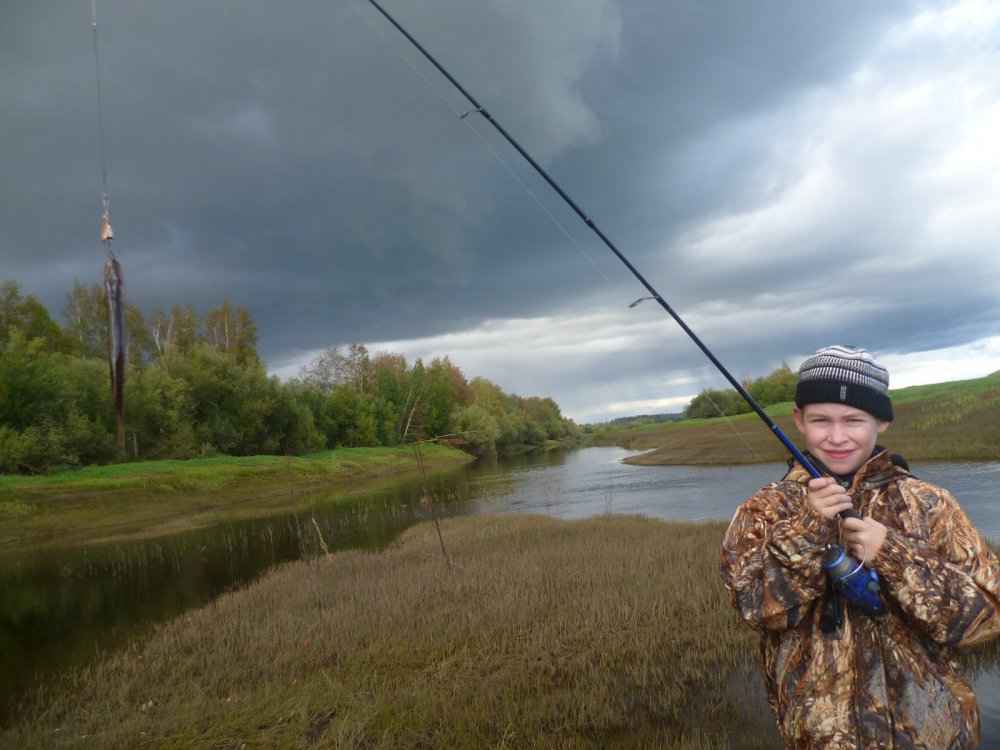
(786, 174)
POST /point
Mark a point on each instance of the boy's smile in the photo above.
(842, 437)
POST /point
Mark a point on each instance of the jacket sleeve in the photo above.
(948, 583)
(771, 557)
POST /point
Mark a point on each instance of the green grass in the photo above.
(944, 421)
(147, 498)
(212, 472)
(938, 390)
(608, 632)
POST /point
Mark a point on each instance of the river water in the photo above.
(59, 608)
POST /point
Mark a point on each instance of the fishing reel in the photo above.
(853, 580)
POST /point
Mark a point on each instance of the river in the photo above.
(58, 608)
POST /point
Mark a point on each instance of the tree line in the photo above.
(197, 387)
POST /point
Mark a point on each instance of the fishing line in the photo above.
(106, 234)
(464, 116)
(114, 282)
(541, 205)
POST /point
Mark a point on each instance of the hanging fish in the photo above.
(114, 295)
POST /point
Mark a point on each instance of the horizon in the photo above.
(787, 176)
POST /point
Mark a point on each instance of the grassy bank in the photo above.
(156, 497)
(945, 421)
(610, 632)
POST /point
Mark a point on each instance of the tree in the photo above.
(397, 396)
(712, 402)
(478, 428)
(392, 387)
(507, 415)
(87, 320)
(161, 412)
(31, 379)
(545, 413)
(445, 389)
(776, 387)
(323, 372)
(140, 340)
(356, 366)
(346, 417)
(334, 367)
(233, 332)
(239, 410)
(27, 315)
(54, 410)
(86, 315)
(173, 331)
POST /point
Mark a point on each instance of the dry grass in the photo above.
(942, 422)
(738, 440)
(610, 632)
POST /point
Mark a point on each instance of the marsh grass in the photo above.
(610, 632)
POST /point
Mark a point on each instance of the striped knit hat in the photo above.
(845, 375)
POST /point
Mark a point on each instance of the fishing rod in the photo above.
(861, 589)
(480, 109)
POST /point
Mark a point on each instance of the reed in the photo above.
(611, 632)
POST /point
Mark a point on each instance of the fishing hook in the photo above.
(641, 299)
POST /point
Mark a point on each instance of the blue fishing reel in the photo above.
(853, 580)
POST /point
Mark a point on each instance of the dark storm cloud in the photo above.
(755, 161)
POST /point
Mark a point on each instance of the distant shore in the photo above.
(957, 421)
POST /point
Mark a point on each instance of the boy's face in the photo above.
(842, 437)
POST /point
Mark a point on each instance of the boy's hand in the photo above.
(828, 498)
(864, 537)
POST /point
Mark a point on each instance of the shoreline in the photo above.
(132, 501)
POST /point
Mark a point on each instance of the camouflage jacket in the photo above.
(886, 683)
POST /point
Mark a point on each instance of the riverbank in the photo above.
(128, 500)
(957, 421)
(609, 631)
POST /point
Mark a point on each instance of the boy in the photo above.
(835, 676)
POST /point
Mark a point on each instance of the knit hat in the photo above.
(845, 375)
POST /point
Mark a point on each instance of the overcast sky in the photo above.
(786, 174)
